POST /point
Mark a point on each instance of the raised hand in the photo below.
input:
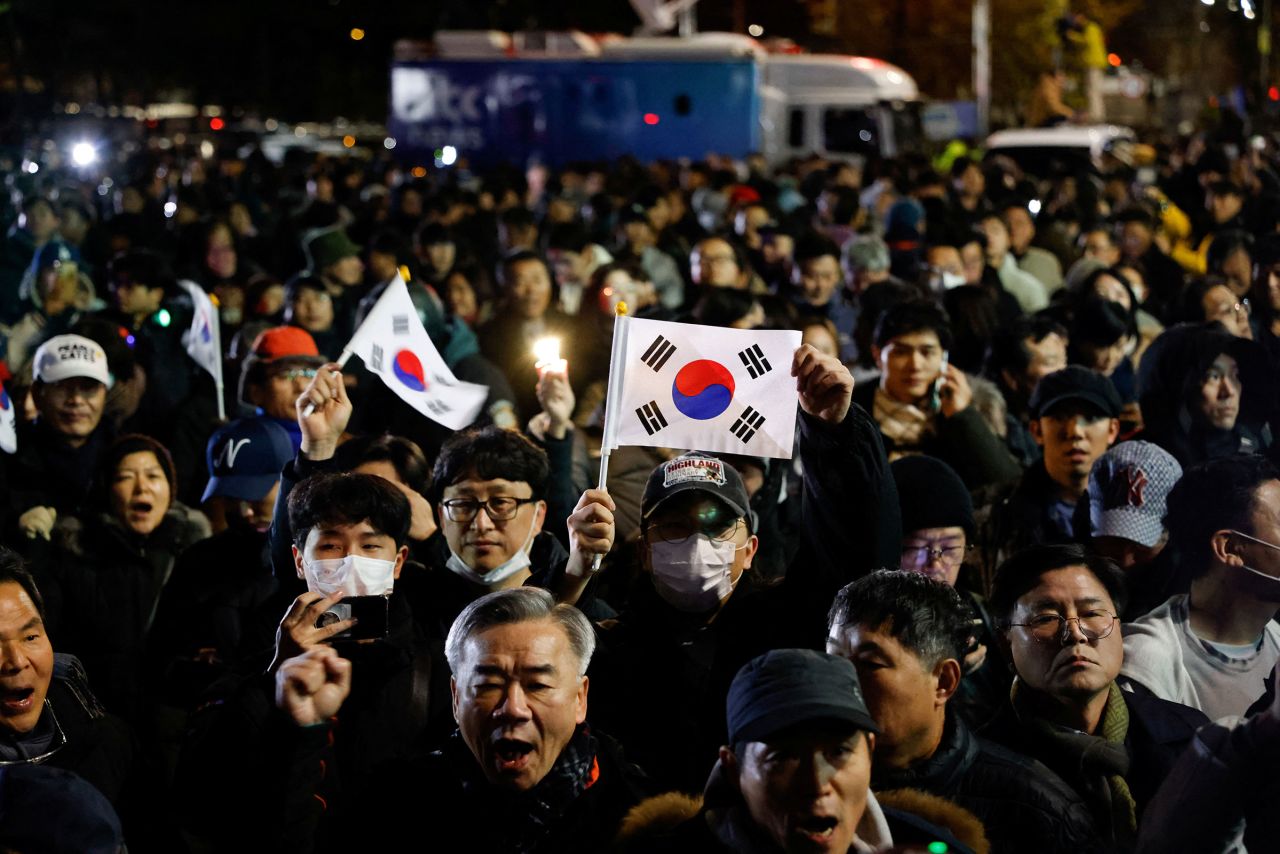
(823, 384)
(330, 412)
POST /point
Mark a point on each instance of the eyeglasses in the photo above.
(1094, 625)
(679, 532)
(298, 373)
(499, 508)
(923, 555)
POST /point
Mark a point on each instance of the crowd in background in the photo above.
(1033, 502)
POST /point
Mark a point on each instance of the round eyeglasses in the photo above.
(1094, 625)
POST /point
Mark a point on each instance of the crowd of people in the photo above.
(1015, 591)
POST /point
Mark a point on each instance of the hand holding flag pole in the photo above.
(616, 357)
(342, 363)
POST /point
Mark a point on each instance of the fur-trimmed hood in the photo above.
(721, 808)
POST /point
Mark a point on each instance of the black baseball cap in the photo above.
(1075, 383)
(786, 687)
(697, 471)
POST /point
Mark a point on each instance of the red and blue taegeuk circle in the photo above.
(408, 369)
(702, 389)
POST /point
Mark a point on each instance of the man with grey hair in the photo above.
(523, 773)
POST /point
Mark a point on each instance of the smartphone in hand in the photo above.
(935, 397)
(370, 612)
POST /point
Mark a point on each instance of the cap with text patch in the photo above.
(697, 471)
(65, 357)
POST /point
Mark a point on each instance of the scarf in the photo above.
(1102, 754)
(903, 424)
(524, 819)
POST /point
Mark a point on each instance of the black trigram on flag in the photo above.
(747, 424)
(651, 417)
(439, 408)
(375, 358)
(400, 324)
(753, 357)
(658, 353)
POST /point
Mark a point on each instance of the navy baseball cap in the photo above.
(245, 458)
(787, 687)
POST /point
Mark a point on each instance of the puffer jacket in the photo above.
(1021, 803)
(102, 585)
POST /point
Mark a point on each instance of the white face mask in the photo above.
(951, 280)
(500, 573)
(353, 575)
(693, 576)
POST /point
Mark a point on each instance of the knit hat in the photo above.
(932, 495)
(328, 247)
(1128, 491)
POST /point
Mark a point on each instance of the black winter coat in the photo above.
(1021, 803)
(653, 652)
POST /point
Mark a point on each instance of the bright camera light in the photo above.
(84, 154)
(448, 155)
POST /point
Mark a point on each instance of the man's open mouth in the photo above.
(817, 828)
(512, 754)
(16, 699)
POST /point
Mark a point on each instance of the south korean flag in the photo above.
(679, 385)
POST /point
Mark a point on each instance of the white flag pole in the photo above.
(216, 322)
(616, 369)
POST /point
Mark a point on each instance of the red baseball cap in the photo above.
(282, 342)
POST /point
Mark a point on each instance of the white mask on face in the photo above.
(353, 575)
(951, 280)
(500, 573)
(693, 576)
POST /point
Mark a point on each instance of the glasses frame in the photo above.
(453, 504)
(1063, 622)
(931, 553)
(724, 536)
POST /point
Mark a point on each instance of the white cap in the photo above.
(65, 356)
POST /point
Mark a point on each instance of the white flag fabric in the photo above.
(392, 344)
(8, 423)
(202, 339)
(679, 385)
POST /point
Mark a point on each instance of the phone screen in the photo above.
(935, 398)
(371, 614)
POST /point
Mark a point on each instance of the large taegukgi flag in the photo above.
(679, 385)
(393, 344)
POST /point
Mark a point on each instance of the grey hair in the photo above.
(519, 605)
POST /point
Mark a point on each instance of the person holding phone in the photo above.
(921, 403)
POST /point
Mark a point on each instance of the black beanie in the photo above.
(931, 495)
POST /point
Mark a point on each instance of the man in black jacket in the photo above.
(696, 614)
(1058, 607)
(922, 402)
(524, 773)
(47, 712)
(905, 634)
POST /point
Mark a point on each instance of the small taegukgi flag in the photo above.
(679, 385)
(394, 345)
(8, 423)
